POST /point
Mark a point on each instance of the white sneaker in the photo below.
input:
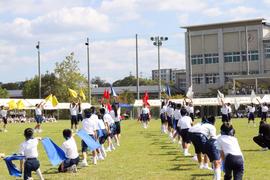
(201, 166)
(118, 144)
(194, 158)
(180, 142)
(174, 140)
(39, 130)
(108, 149)
(95, 160)
(187, 154)
(112, 147)
(207, 167)
(264, 149)
(72, 169)
(84, 163)
(100, 157)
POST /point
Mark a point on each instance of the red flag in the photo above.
(109, 107)
(106, 94)
(146, 98)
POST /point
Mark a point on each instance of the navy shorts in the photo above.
(251, 116)
(84, 145)
(185, 135)
(163, 118)
(79, 117)
(175, 122)
(74, 120)
(4, 120)
(144, 117)
(199, 140)
(39, 119)
(31, 164)
(112, 129)
(117, 127)
(68, 163)
(104, 137)
(225, 118)
(211, 150)
(170, 121)
(263, 116)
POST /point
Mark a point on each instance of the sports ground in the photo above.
(143, 154)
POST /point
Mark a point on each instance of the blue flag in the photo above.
(55, 154)
(91, 143)
(12, 169)
(113, 93)
(168, 90)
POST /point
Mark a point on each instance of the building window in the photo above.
(228, 75)
(231, 57)
(211, 58)
(267, 49)
(197, 79)
(197, 59)
(252, 55)
(211, 78)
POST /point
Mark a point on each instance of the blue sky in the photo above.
(63, 25)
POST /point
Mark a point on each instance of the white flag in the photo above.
(220, 97)
(236, 104)
(190, 93)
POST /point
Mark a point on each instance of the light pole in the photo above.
(157, 41)
(39, 76)
(88, 71)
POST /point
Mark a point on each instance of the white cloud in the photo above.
(212, 12)
(242, 11)
(180, 5)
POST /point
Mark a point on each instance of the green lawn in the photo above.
(144, 154)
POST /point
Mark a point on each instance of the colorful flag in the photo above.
(106, 94)
(168, 90)
(12, 105)
(55, 154)
(190, 93)
(54, 101)
(20, 104)
(72, 93)
(113, 93)
(12, 169)
(82, 95)
(91, 143)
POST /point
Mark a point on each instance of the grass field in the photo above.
(144, 154)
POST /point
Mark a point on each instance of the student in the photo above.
(264, 110)
(3, 113)
(163, 118)
(116, 117)
(80, 111)
(110, 126)
(263, 139)
(224, 112)
(169, 112)
(199, 135)
(145, 116)
(39, 116)
(73, 115)
(102, 138)
(230, 153)
(29, 150)
(190, 109)
(177, 116)
(185, 123)
(71, 152)
(251, 117)
(229, 111)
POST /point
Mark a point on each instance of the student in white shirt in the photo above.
(39, 116)
(29, 150)
(116, 117)
(224, 112)
(3, 114)
(264, 109)
(102, 134)
(177, 116)
(185, 123)
(169, 112)
(163, 118)
(230, 153)
(71, 152)
(110, 127)
(251, 110)
(73, 115)
(79, 112)
(145, 116)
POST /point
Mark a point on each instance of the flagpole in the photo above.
(137, 69)
(88, 71)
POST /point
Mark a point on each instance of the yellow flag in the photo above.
(82, 95)
(20, 104)
(49, 98)
(12, 105)
(72, 93)
(54, 101)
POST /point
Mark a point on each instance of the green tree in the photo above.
(126, 97)
(3, 93)
(100, 82)
(132, 81)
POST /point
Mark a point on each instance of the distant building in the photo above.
(217, 53)
(165, 75)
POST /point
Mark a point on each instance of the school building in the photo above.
(216, 56)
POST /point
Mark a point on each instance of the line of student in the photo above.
(103, 126)
(208, 146)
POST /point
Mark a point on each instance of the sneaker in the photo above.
(84, 163)
(112, 147)
(100, 157)
(174, 140)
(95, 160)
(39, 130)
(187, 154)
(207, 167)
(108, 149)
(264, 149)
(194, 158)
(201, 166)
(118, 144)
(72, 168)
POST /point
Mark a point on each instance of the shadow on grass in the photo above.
(201, 175)
(251, 150)
(169, 153)
(51, 171)
(179, 167)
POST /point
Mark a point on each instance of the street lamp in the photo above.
(157, 41)
(88, 71)
(39, 76)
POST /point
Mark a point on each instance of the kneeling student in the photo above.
(29, 150)
(230, 153)
(263, 139)
(71, 152)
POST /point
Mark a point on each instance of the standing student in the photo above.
(251, 117)
(80, 112)
(145, 116)
(110, 126)
(190, 109)
(263, 139)
(264, 110)
(102, 134)
(184, 124)
(163, 118)
(29, 150)
(169, 112)
(116, 117)
(39, 116)
(71, 153)
(230, 153)
(3, 113)
(224, 112)
(73, 116)
(177, 116)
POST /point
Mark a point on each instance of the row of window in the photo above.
(228, 57)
